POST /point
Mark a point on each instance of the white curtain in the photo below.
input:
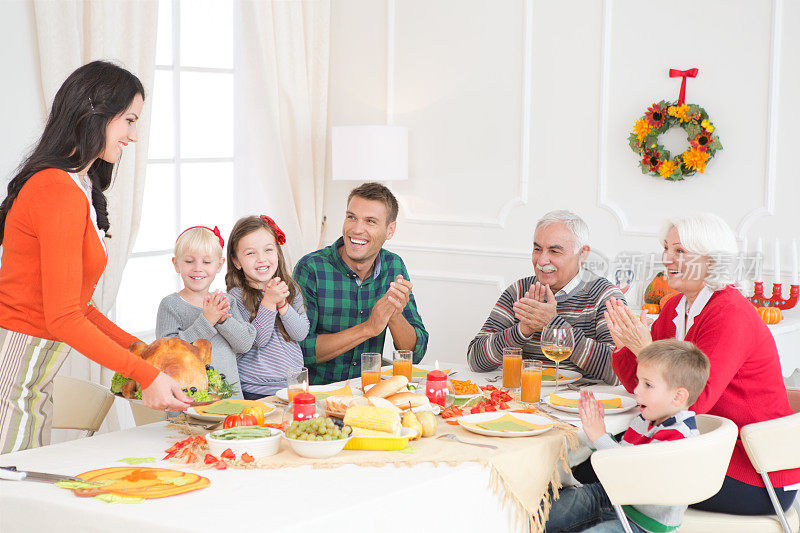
(281, 64)
(71, 33)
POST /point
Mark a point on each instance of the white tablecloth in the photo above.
(350, 498)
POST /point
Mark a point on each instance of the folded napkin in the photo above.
(612, 403)
(549, 374)
(416, 372)
(344, 391)
(507, 422)
(231, 407)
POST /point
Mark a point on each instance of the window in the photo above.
(189, 178)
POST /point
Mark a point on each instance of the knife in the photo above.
(11, 473)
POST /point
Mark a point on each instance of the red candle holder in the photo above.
(436, 387)
(776, 300)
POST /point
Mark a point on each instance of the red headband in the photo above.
(280, 236)
(215, 231)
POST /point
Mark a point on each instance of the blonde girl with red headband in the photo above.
(196, 313)
(261, 289)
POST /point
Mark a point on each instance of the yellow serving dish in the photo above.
(364, 442)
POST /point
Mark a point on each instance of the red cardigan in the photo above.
(745, 384)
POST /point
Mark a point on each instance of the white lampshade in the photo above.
(369, 153)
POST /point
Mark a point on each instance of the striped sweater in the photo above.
(263, 369)
(582, 307)
(659, 518)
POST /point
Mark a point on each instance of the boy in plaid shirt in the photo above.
(354, 290)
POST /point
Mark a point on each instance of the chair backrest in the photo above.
(670, 473)
(794, 398)
(772, 445)
(144, 415)
(79, 404)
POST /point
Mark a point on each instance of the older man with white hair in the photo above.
(560, 292)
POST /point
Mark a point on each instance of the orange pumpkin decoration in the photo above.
(652, 309)
(657, 289)
(770, 315)
(667, 298)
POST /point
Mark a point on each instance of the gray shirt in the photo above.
(178, 318)
(263, 369)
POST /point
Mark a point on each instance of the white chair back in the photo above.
(79, 404)
(671, 473)
(144, 415)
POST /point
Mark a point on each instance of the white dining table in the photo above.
(423, 497)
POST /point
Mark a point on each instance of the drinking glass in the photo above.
(512, 368)
(531, 391)
(557, 344)
(370, 369)
(296, 382)
(401, 363)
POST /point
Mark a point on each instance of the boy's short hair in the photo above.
(198, 239)
(682, 364)
(373, 190)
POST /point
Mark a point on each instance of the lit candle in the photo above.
(759, 258)
(777, 262)
(795, 277)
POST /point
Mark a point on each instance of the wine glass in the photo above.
(557, 344)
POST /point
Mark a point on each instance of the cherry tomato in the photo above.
(247, 458)
(228, 454)
(210, 459)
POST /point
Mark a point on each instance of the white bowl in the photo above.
(317, 449)
(259, 447)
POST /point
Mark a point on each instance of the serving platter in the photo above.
(200, 414)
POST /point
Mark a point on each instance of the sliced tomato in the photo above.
(221, 465)
(190, 458)
(247, 458)
(503, 405)
(228, 454)
(178, 445)
(490, 409)
(199, 440)
(210, 459)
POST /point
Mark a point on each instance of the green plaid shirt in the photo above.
(335, 302)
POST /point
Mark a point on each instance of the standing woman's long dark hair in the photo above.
(75, 131)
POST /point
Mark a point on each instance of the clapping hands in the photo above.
(275, 294)
(216, 308)
(535, 309)
(390, 305)
(625, 327)
(592, 413)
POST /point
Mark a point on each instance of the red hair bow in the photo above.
(215, 231)
(280, 236)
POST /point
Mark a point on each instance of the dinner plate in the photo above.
(467, 422)
(571, 376)
(627, 401)
(208, 417)
(283, 394)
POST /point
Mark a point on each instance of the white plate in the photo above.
(283, 394)
(627, 401)
(216, 418)
(484, 417)
(571, 376)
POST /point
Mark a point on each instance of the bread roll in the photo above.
(408, 400)
(382, 402)
(387, 387)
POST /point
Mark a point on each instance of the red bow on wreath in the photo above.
(280, 236)
(675, 73)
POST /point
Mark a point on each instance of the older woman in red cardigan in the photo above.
(745, 384)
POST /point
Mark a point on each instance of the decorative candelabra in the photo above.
(759, 300)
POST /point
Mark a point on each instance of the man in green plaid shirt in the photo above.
(354, 290)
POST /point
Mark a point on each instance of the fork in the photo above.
(453, 437)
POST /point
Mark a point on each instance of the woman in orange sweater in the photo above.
(53, 227)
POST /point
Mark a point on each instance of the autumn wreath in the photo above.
(655, 159)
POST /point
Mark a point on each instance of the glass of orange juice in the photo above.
(531, 382)
(401, 363)
(370, 368)
(512, 368)
(296, 381)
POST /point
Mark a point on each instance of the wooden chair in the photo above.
(144, 415)
(79, 404)
(671, 473)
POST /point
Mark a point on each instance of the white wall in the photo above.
(517, 108)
